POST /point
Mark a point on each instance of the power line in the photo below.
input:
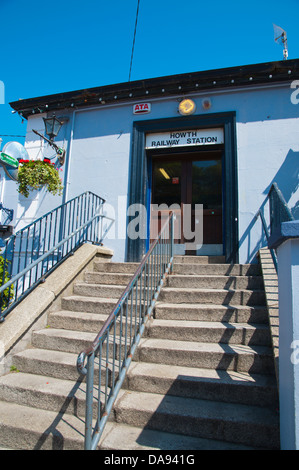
(134, 40)
(11, 135)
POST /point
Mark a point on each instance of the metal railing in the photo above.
(109, 356)
(278, 212)
(6, 215)
(34, 251)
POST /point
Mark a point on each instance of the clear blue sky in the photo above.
(81, 44)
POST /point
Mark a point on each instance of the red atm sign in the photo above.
(142, 108)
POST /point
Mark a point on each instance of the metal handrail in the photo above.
(116, 342)
(34, 251)
(278, 212)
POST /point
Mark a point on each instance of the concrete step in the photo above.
(203, 376)
(26, 428)
(192, 382)
(241, 358)
(185, 268)
(78, 321)
(209, 332)
(252, 426)
(149, 440)
(179, 295)
(71, 341)
(183, 311)
(199, 259)
(115, 267)
(192, 281)
(214, 296)
(98, 290)
(43, 392)
(62, 340)
(217, 269)
(89, 322)
(78, 303)
(107, 278)
(58, 364)
(210, 312)
(216, 282)
(205, 331)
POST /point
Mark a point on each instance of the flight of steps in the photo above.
(202, 377)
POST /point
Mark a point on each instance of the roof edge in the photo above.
(254, 74)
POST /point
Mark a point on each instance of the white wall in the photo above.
(288, 280)
(267, 147)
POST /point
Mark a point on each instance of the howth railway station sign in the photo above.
(185, 138)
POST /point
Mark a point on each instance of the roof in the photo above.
(247, 75)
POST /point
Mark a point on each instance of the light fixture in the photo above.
(187, 107)
(206, 103)
(166, 175)
(52, 128)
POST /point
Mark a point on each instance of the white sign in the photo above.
(142, 108)
(185, 138)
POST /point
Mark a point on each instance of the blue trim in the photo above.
(138, 179)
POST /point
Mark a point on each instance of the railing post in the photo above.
(171, 240)
(89, 401)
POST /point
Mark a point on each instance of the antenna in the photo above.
(280, 37)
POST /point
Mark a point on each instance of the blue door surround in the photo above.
(139, 174)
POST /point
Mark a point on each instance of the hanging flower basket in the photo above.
(36, 174)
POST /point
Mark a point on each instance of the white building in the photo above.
(237, 135)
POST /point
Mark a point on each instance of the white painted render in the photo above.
(98, 143)
(288, 280)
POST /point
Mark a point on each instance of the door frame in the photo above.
(140, 174)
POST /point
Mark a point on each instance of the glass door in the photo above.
(179, 183)
(166, 195)
(206, 188)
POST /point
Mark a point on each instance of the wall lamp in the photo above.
(52, 128)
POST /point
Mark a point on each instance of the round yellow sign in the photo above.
(187, 106)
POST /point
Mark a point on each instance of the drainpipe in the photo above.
(2, 179)
(68, 162)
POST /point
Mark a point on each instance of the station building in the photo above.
(216, 138)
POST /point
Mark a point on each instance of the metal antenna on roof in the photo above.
(280, 37)
(134, 41)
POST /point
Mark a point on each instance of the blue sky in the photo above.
(81, 44)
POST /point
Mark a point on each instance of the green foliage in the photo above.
(35, 174)
(8, 293)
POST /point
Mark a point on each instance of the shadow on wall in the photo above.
(287, 179)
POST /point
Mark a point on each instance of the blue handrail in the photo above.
(278, 212)
(34, 251)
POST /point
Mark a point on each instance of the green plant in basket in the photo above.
(35, 174)
(8, 293)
